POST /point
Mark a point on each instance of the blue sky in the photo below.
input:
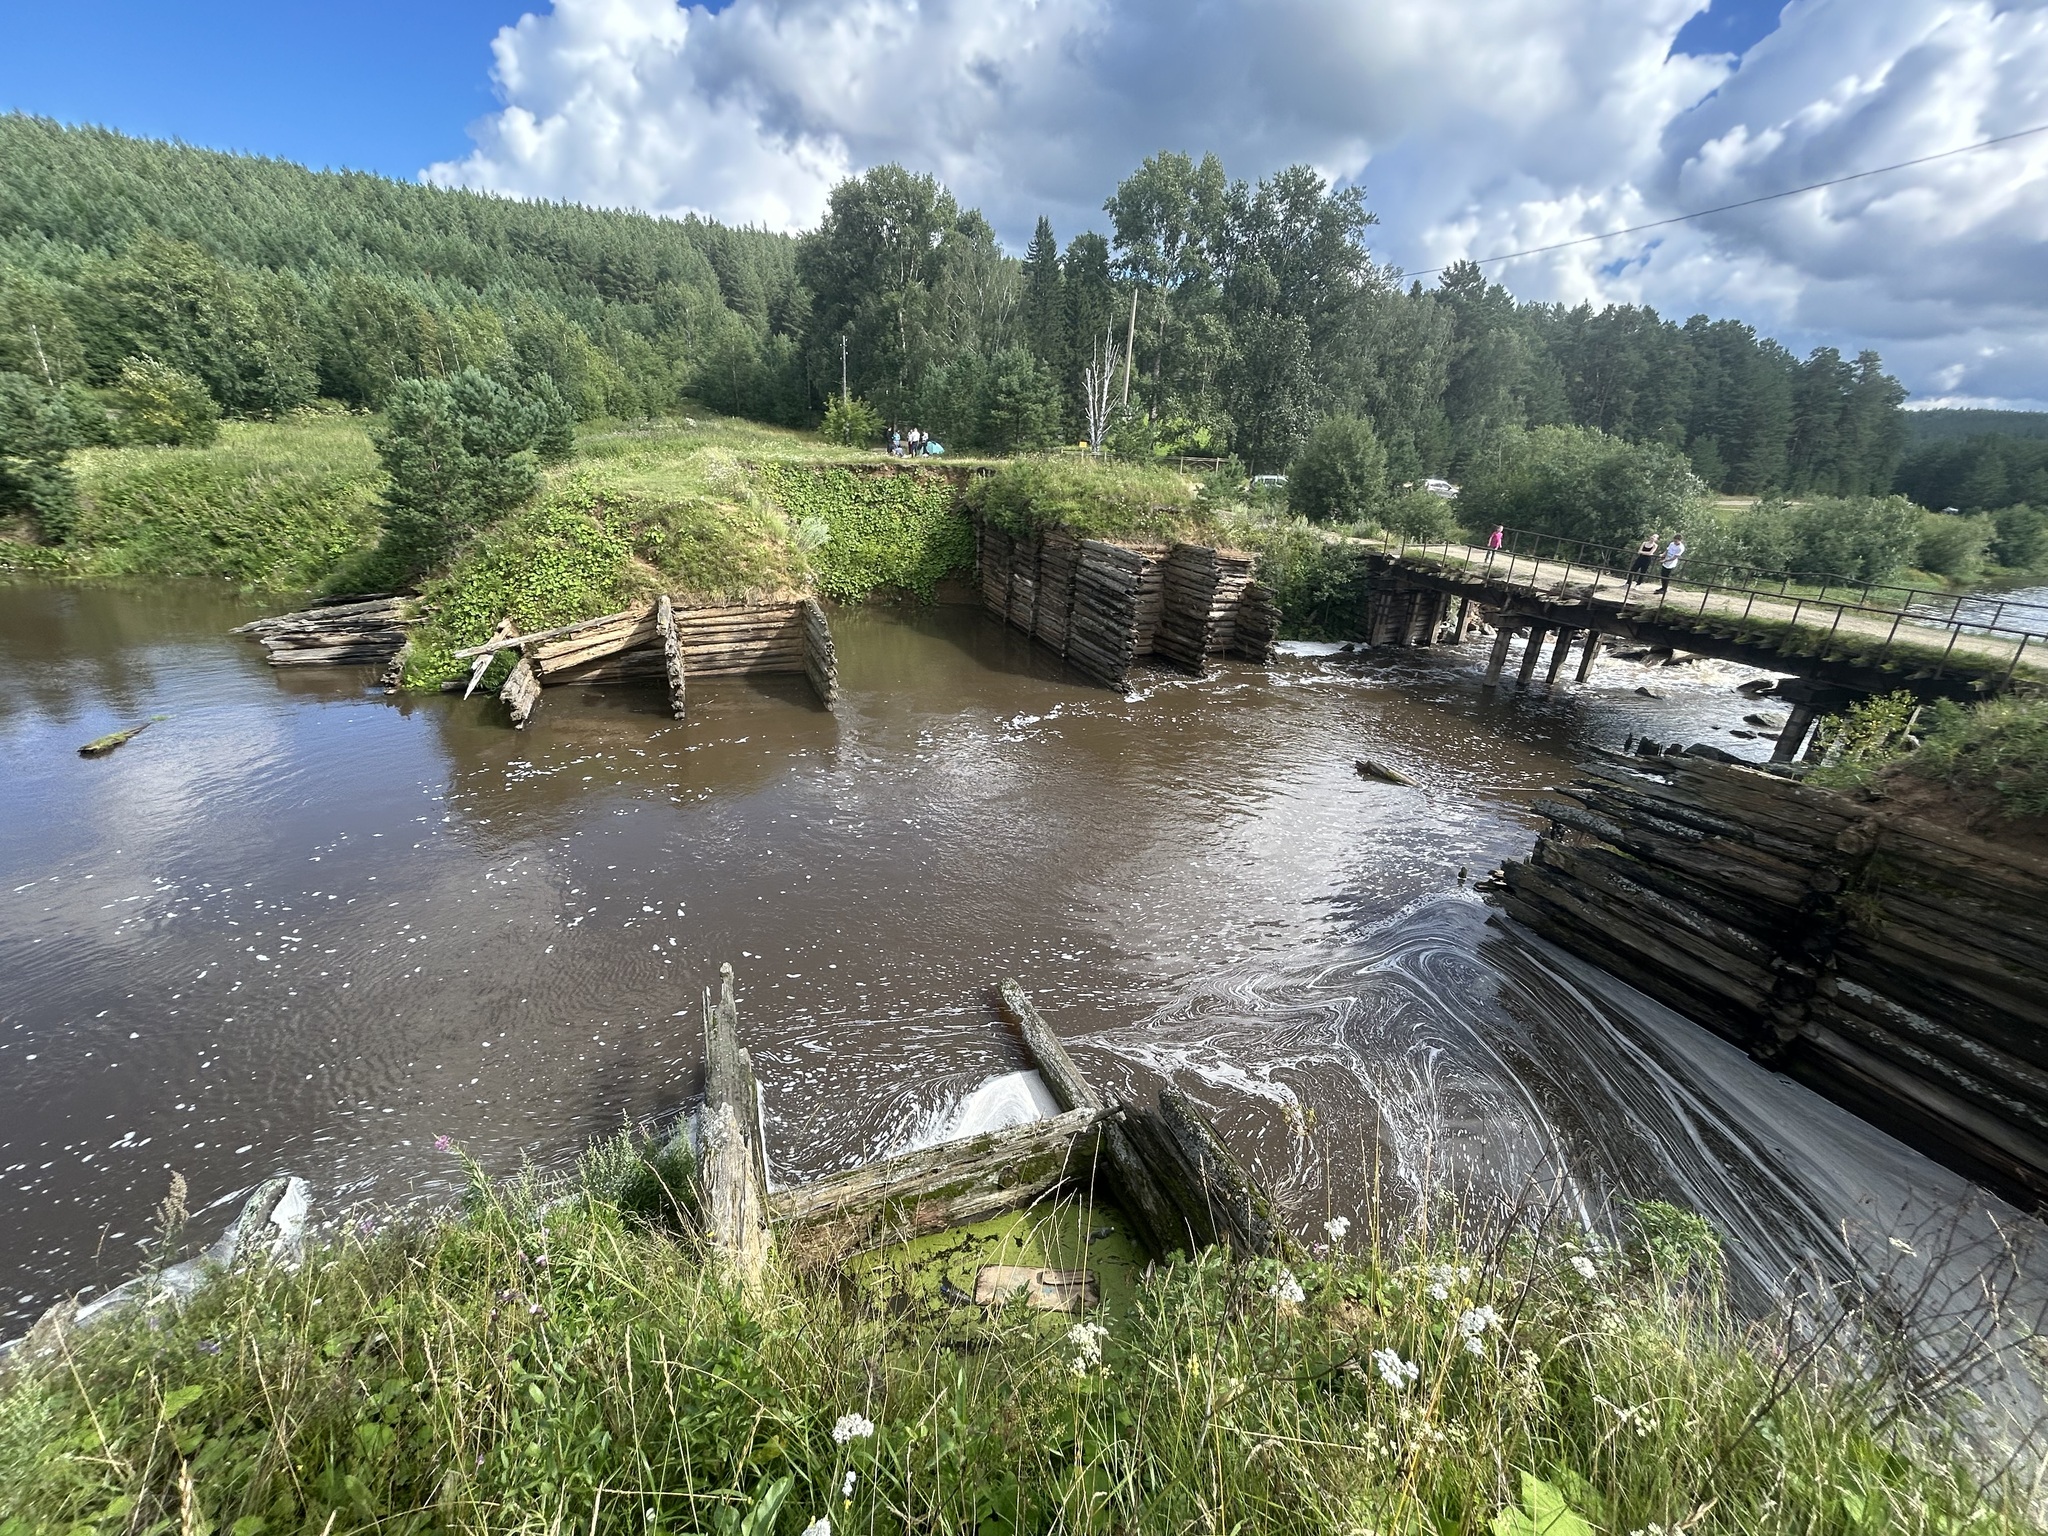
(1477, 127)
(375, 85)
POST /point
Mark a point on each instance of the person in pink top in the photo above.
(1493, 539)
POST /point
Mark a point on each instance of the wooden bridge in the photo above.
(1836, 648)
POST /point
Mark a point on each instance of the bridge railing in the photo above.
(1909, 638)
(1940, 606)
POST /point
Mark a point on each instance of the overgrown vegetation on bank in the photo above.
(1993, 752)
(550, 1364)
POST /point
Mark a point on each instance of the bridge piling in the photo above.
(1538, 632)
(1558, 653)
(1594, 640)
(1503, 637)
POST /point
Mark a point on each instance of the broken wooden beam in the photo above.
(671, 653)
(1132, 1184)
(731, 1159)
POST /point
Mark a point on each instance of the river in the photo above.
(299, 925)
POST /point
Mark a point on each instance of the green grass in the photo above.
(869, 531)
(549, 1364)
(1094, 498)
(271, 504)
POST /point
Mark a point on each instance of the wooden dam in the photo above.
(660, 642)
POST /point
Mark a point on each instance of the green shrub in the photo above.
(1953, 546)
(1340, 474)
(873, 531)
(1319, 585)
(158, 404)
(2020, 537)
(1860, 740)
(1999, 746)
(1418, 516)
(1579, 483)
(36, 431)
(1095, 498)
(851, 423)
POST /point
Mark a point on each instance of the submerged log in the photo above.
(1369, 768)
(100, 746)
(1132, 1182)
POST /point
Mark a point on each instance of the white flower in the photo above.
(1586, 1267)
(1394, 1371)
(1474, 1347)
(1087, 1340)
(846, 1488)
(818, 1527)
(852, 1426)
(1287, 1288)
(1476, 1320)
(1440, 1292)
(1337, 1227)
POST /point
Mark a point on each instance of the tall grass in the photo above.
(577, 1365)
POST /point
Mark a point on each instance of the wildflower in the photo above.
(209, 1346)
(443, 1143)
(1337, 1227)
(852, 1426)
(822, 1526)
(1394, 1371)
(1087, 1341)
(846, 1488)
(1287, 1288)
(1473, 1322)
(1586, 1267)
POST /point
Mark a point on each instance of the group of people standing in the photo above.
(1646, 555)
(915, 441)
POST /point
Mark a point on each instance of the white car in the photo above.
(1442, 488)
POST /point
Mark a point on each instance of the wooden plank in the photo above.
(1132, 1182)
(671, 653)
(1243, 1214)
(933, 1188)
(497, 643)
(521, 693)
(732, 1162)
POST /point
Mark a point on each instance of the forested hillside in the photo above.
(1258, 312)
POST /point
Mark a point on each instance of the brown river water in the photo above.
(301, 926)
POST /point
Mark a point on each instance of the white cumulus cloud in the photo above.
(1478, 127)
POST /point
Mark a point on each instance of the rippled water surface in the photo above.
(299, 925)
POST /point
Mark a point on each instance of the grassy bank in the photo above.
(579, 1366)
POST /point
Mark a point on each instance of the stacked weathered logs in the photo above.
(821, 656)
(341, 632)
(611, 648)
(1896, 966)
(671, 654)
(1257, 632)
(744, 637)
(1102, 624)
(1104, 606)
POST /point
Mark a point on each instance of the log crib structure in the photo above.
(664, 641)
(1166, 1170)
(1105, 607)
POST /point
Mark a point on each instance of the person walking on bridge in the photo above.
(1493, 539)
(1673, 553)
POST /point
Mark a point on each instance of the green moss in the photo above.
(869, 531)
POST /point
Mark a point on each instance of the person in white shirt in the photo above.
(1673, 553)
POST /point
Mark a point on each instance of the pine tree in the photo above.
(1045, 300)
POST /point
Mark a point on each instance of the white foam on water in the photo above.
(1014, 1098)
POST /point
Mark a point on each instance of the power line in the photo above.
(1747, 202)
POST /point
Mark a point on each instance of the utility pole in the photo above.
(1130, 343)
(844, 398)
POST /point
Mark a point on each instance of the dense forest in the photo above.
(1258, 311)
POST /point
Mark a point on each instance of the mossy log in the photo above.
(937, 1187)
(1131, 1180)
